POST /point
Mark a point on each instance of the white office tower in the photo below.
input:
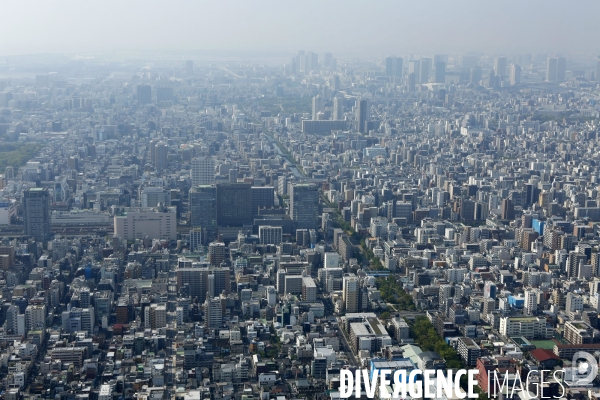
(203, 171)
(530, 302)
(318, 105)
(338, 109)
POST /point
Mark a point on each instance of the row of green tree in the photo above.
(392, 292)
(428, 339)
(17, 154)
(374, 262)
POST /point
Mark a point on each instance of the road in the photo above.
(292, 163)
(347, 347)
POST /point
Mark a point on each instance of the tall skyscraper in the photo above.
(144, 94)
(500, 67)
(390, 66)
(304, 206)
(412, 82)
(336, 82)
(362, 116)
(234, 204)
(573, 262)
(203, 211)
(476, 74)
(393, 66)
(36, 213)
(414, 67)
(551, 69)
(425, 68)
(262, 196)
(318, 105)
(515, 74)
(508, 210)
(440, 72)
(338, 109)
(203, 171)
(350, 293)
(160, 156)
(189, 68)
(561, 69)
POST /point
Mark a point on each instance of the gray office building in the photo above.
(304, 206)
(36, 212)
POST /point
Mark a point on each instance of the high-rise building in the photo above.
(412, 82)
(144, 94)
(425, 68)
(440, 72)
(189, 67)
(530, 302)
(515, 74)
(195, 239)
(262, 196)
(234, 204)
(152, 196)
(318, 105)
(551, 69)
(393, 66)
(362, 116)
(213, 312)
(500, 67)
(35, 317)
(203, 211)
(561, 69)
(203, 171)
(36, 213)
(270, 234)
(338, 109)
(160, 156)
(414, 67)
(203, 280)
(216, 253)
(476, 74)
(350, 294)
(155, 316)
(11, 319)
(304, 206)
(282, 185)
(573, 262)
(508, 210)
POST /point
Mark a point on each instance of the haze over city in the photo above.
(349, 28)
(205, 200)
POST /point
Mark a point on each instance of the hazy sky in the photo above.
(349, 27)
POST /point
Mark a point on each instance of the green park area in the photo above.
(17, 154)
